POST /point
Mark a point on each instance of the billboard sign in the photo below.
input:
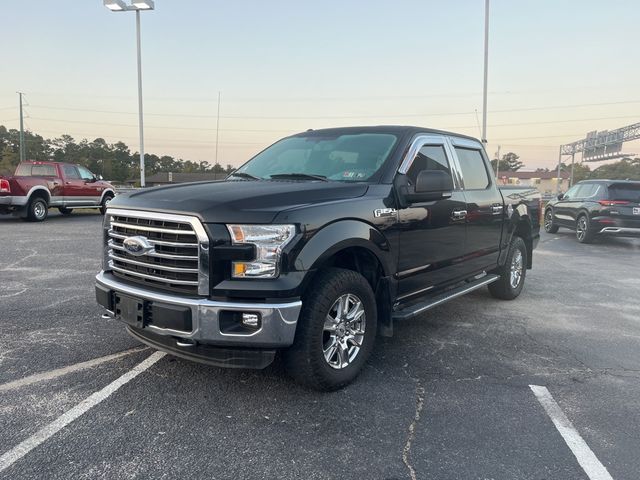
(603, 143)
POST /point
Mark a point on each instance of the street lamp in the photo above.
(137, 6)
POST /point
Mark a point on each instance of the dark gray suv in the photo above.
(596, 207)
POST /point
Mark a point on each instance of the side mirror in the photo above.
(431, 185)
(560, 196)
(100, 177)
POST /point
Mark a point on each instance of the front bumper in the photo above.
(199, 317)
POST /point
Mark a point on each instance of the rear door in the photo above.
(431, 234)
(484, 206)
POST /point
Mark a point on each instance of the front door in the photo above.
(91, 190)
(565, 210)
(73, 188)
(485, 215)
(432, 234)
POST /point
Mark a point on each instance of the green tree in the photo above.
(627, 168)
(508, 163)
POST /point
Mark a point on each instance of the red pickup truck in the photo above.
(37, 186)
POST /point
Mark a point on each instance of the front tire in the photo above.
(37, 209)
(584, 232)
(105, 203)
(336, 331)
(549, 224)
(512, 273)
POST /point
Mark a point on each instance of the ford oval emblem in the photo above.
(137, 246)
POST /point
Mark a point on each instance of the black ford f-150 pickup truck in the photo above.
(313, 247)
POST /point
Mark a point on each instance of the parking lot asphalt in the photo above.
(447, 397)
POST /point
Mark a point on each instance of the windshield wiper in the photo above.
(294, 175)
(244, 175)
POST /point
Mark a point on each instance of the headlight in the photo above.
(269, 241)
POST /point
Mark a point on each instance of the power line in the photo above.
(551, 122)
(326, 117)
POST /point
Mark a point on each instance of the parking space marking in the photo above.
(59, 372)
(16, 453)
(585, 456)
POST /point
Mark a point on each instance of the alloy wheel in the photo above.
(517, 266)
(581, 229)
(343, 331)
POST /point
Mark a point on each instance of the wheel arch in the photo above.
(521, 226)
(109, 191)
(40, 192)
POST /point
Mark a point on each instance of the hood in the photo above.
(237, 201)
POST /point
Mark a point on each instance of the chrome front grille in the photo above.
(179, 260)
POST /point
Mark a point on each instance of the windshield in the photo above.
(349, 158)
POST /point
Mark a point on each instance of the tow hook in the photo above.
(107, 316)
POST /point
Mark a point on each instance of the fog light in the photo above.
(251, 320)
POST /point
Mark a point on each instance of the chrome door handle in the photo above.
(459, 214)
(496, 209)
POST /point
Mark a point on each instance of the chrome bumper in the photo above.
(278, 327)
(6, 200)
(635, 232)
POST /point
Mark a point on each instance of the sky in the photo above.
(557, 70)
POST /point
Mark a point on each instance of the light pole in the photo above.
(136, 6)
(486, 71)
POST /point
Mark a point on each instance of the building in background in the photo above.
(545, 182)
(167, 178)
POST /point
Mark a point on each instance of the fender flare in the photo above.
(520, 215)
(105, 191)
(340, 235)
(37, 188)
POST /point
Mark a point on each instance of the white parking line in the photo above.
(16, 453)
(586, 458)
(40, 377)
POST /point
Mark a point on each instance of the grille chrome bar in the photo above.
(156, 254)
(114, 234)
(175, 263)
(144, 228)
(157, 266)
(152, 277)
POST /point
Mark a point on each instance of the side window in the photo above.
(474, 170)
(588, 190)
(429, 157)
(71, 172)
(85, 174)
(572, 192)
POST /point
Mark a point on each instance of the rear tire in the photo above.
(549, 224)
(336, 331)
(105, 203)
(65, 210)
(37, 209)
(512, 273)
(584, 232)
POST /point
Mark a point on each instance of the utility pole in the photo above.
(218, 127)
(22, 146)
(559, 167)
(140, 124)
(486, 69)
